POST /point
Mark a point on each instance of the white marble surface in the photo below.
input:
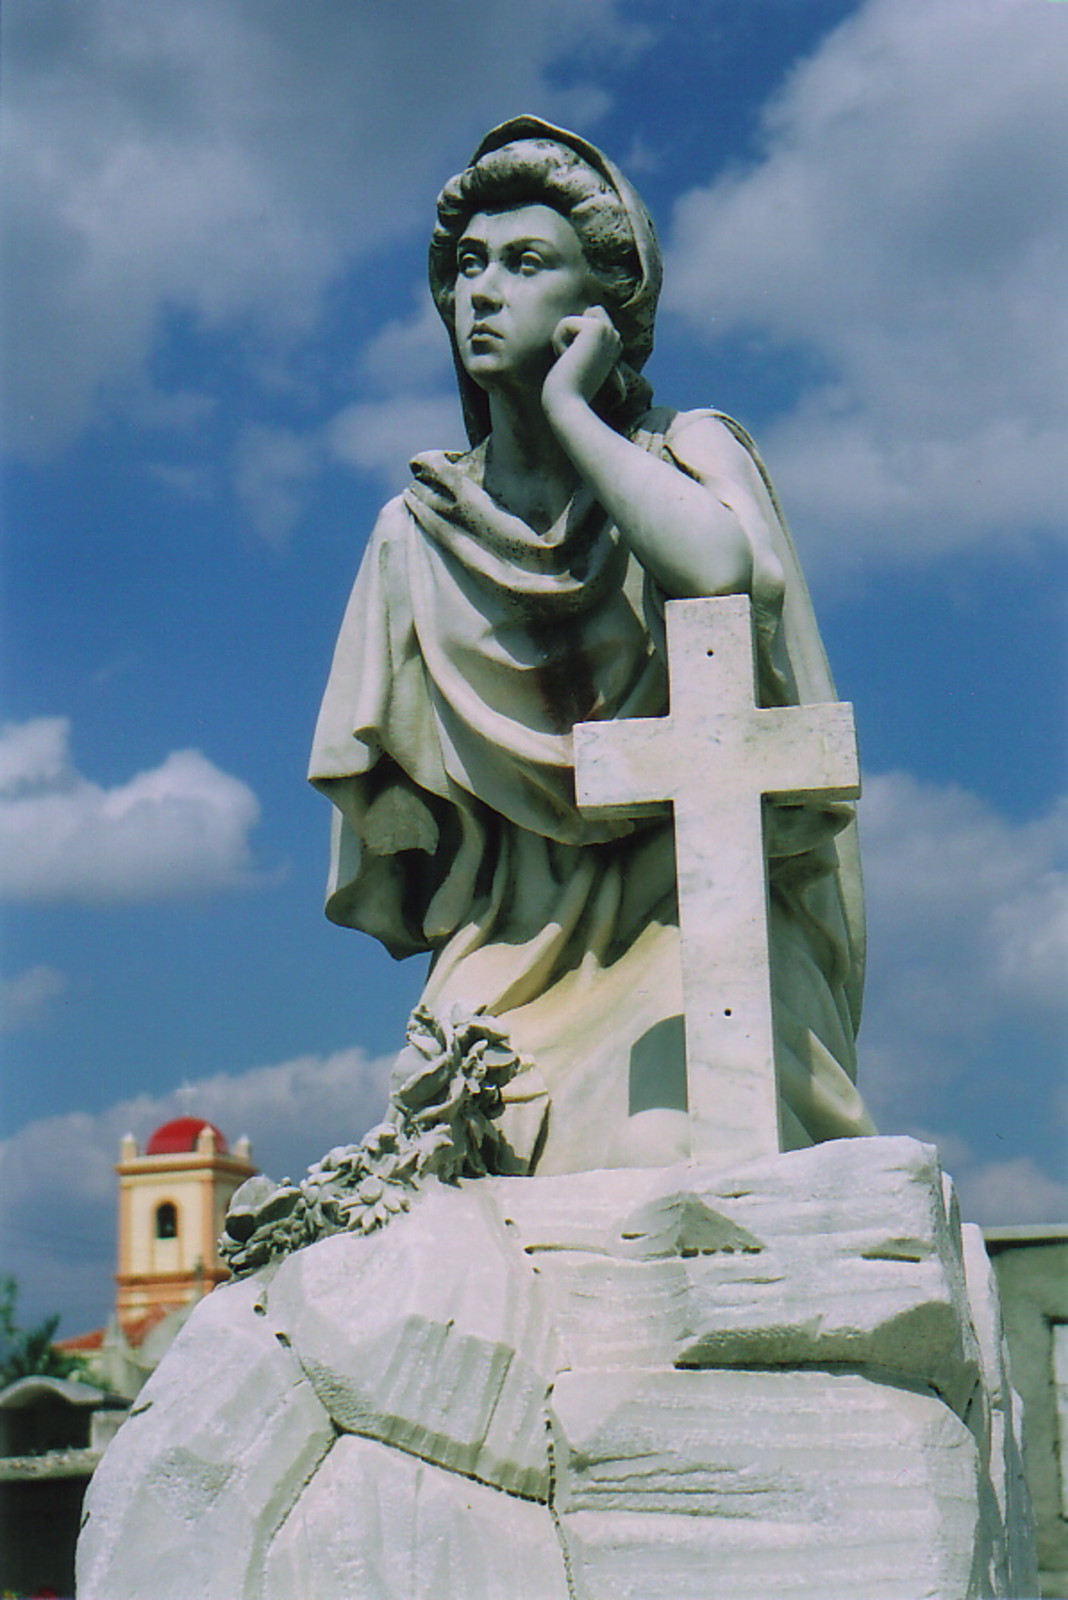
(653, 1384)
(438, 1342)
(715, 756)
(741, 1485)
(845, 1252)
(380, 1524)
(196, 1482)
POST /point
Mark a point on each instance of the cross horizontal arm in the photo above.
(622, 768)
(806, 750)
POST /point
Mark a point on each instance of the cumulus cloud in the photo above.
(968, 916)
(26, 998)
(228, 162)
(381, 436)
(1010, 1193)
(181, 828)
(406, 369)
(274, 466)
(378, 438)
(409, 353)
(59, 1188)
(409, 363)
(34, 756)
(901, 231)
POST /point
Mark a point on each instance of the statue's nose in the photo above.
(486, 291)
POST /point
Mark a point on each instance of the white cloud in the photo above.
(26, 998)
(34, 756)
(901, 231)
(381, 436)
(997, 1192)
(59, 1188)
(409, 361)
(411, 352)
(969, 934)
(227, 162)
(1029, 934)
(194, 483)
(181, 828)
(274, 466)
(1010, 1194)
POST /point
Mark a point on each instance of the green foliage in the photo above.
(29, 1352)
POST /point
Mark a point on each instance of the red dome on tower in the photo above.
(176, 1137)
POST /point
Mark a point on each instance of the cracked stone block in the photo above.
(846, 1253)
(643, 1384)
(216, 1449)
(740, 1485)
(376, 1523)
(431, 1335)
(998, 1425)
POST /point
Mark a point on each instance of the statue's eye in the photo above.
(468, 263)
(530, 261)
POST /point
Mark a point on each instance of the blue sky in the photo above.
(219, 354)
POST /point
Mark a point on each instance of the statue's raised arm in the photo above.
(518, 589)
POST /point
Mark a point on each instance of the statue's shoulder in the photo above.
(389, 534)
(393, 516)
(438, 477)
(703, 426)
(708, 429)
(707, 443)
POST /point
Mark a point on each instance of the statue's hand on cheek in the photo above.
(587, 347)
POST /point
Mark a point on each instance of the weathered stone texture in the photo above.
(379, 1524)
(220, 1443)
(659, 1384)
(846, 1252)
(808, 1482)
(997, 1422)
(434, 1339)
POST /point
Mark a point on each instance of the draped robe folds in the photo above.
(470, 647)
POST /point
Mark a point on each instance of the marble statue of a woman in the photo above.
(559, 1384)
(519, 588)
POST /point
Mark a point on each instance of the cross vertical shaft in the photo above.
(713, 758)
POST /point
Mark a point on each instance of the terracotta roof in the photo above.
(175, 1137)
(82, 1341)
(138, 1329)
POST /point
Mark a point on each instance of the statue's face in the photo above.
(518, 273)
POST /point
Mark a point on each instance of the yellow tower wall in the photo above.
(171, 1271)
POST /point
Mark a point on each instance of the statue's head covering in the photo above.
(527, 161)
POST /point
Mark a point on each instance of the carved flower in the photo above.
(439, 1124)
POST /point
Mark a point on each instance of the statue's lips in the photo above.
(481, 332)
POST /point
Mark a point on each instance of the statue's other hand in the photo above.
(587, 347)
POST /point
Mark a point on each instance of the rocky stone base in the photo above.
(661, 1384)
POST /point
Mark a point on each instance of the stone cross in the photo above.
(714, 757)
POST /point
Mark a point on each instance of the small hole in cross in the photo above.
(710, 652)
(727, 1011)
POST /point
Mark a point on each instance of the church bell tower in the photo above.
(172, 1205)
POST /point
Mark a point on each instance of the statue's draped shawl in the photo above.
(470, 647)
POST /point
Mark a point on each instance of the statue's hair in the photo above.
(542, 172)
